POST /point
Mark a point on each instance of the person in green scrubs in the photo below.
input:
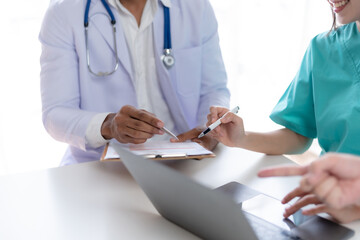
(323, 101)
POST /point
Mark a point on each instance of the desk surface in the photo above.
(100, 200)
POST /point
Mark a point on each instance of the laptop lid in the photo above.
(202, 211)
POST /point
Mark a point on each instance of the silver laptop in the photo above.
(212, 214)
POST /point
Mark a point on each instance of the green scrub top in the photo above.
(323, 100)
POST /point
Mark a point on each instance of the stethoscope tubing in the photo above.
(167, 57)
(107, 7)
(167, 30)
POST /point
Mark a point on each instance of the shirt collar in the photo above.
(166, 3)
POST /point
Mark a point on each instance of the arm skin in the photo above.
(344, 215)
(232, 133)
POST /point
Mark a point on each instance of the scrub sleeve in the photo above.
(295, 109)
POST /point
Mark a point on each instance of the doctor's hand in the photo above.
(131, 125)
(231, 131)
(334, 179)
(344, 215)
(207, 141)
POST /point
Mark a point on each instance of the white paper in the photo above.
(162, 148)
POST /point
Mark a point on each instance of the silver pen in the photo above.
(170, 133)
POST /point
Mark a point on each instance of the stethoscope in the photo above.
(167, 58)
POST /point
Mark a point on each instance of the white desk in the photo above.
(101, 200)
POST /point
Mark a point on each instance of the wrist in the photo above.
(106, 129)
(242, 142)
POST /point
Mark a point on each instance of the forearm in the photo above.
(68, 125)
(282, 141)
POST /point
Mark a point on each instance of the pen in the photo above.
(217, 122)
(170, 133)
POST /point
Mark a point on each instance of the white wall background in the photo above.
(262, 42)
(24, 144)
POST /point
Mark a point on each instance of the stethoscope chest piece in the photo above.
(168, 59)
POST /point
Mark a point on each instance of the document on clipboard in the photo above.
(160, 150)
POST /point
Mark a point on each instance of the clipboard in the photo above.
(160, 151)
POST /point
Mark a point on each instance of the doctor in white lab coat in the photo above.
(142, 95)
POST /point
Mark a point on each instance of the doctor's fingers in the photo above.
(297, 192)
(283, 171)
(320, 208)
(141, 115)
(302, 202)
(343, 215)
(136, 133)
(342, 195)
(342, 166)
(140, 126)
(127, 139)
(330, 192)
(152, 114)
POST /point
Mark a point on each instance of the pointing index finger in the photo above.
(146, 117)
(283, 171)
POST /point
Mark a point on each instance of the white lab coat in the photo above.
(71, 95)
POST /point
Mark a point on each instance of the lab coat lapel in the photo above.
(166, 76)
(122, 50)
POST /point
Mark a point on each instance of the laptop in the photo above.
(213, 214)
